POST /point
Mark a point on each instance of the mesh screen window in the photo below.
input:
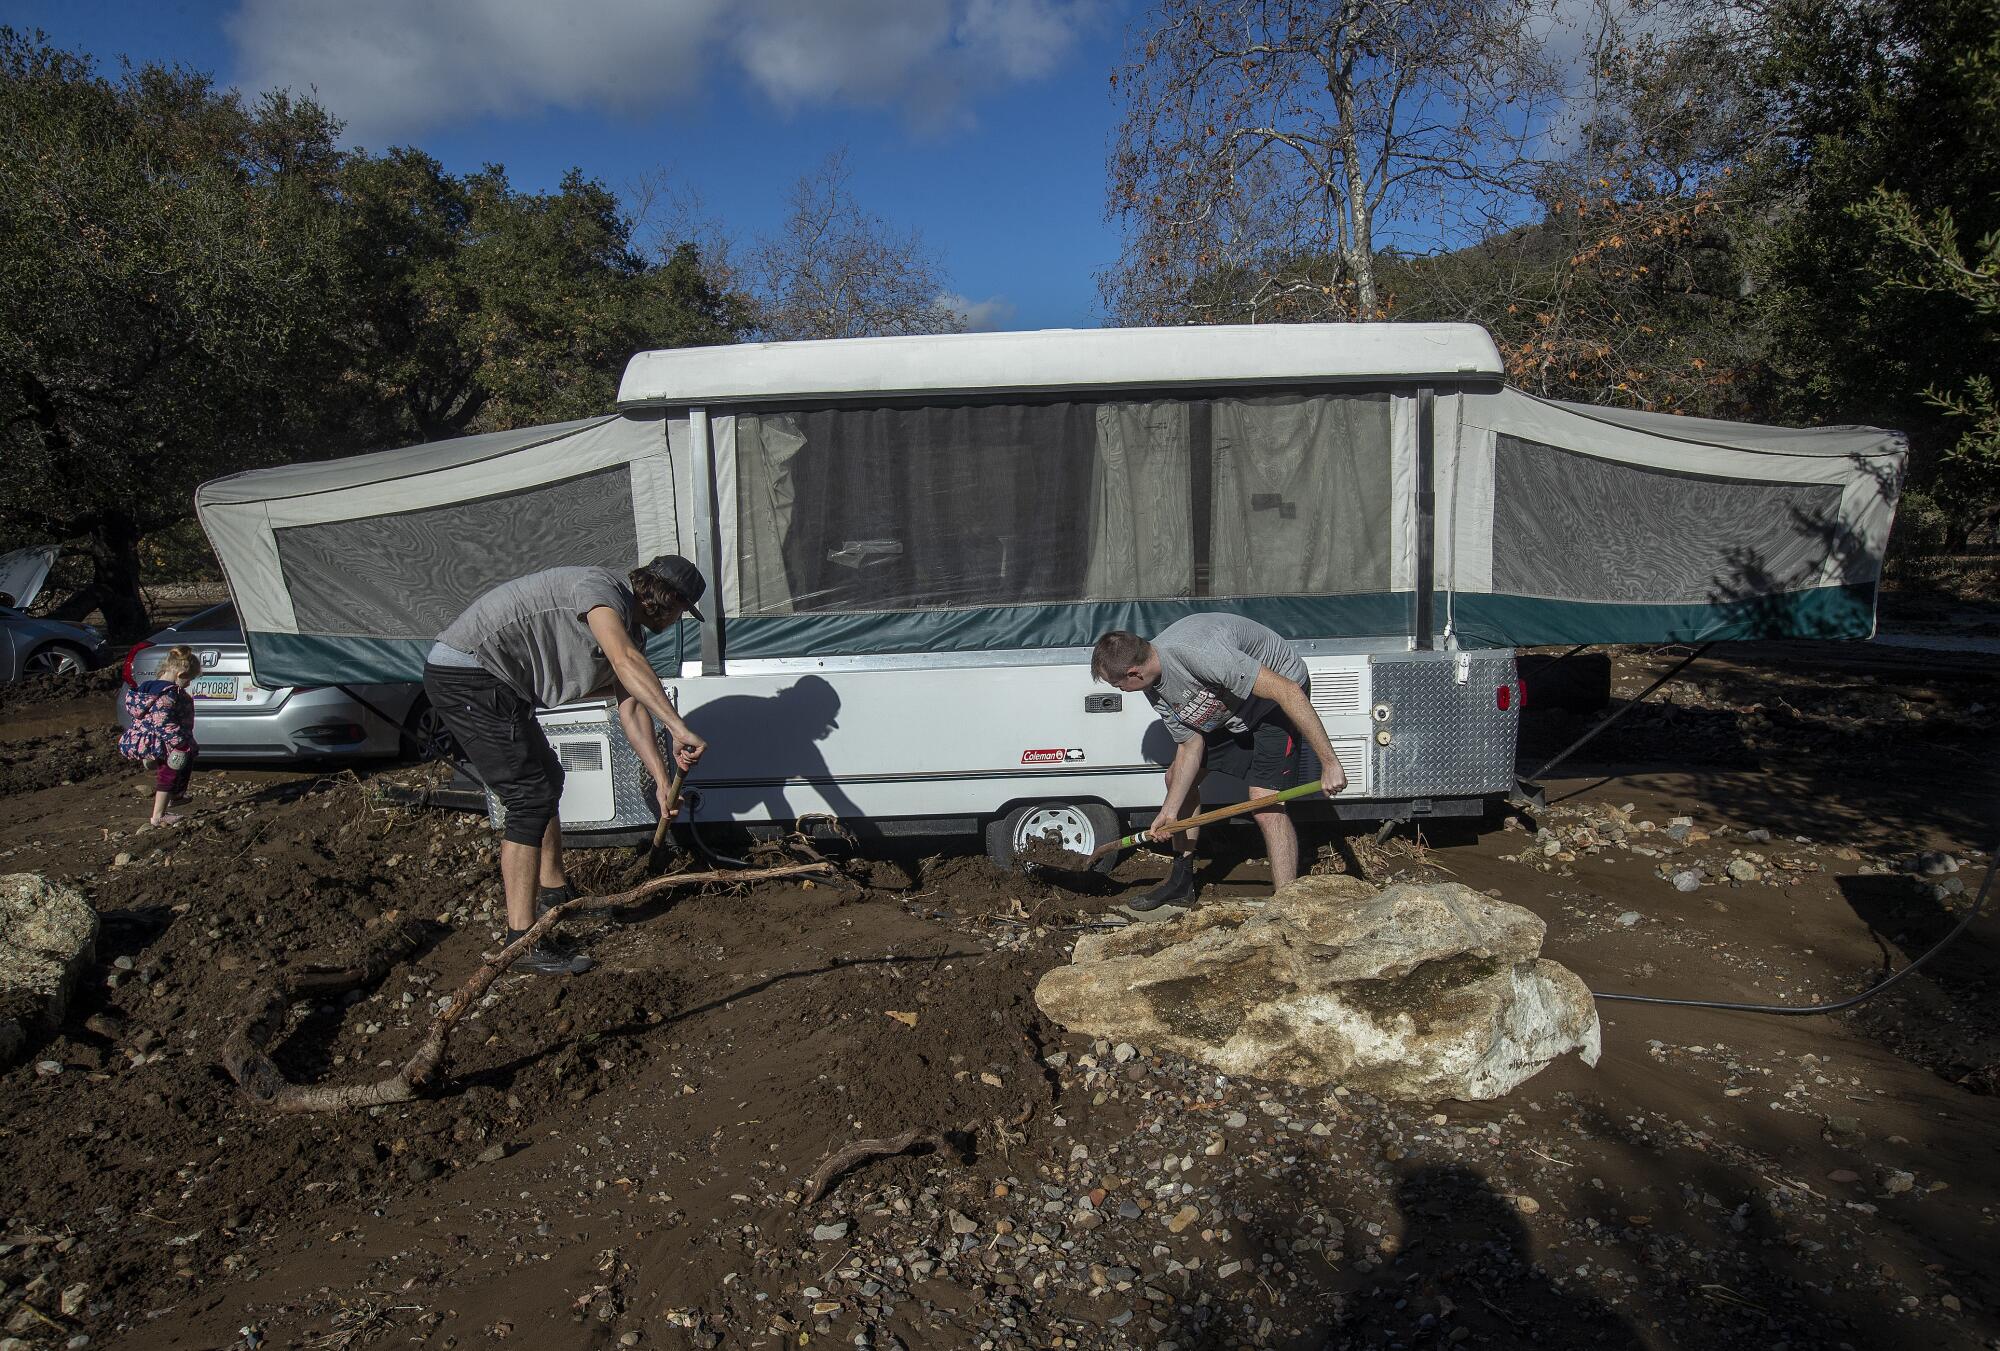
(408, 575)
(1569, 526)
(896, 508)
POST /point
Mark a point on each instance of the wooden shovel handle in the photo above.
(1217, 814)
(675, 778)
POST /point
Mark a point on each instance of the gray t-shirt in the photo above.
(1208, 665)
(533, 633)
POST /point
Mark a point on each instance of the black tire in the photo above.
(427, 732)
(56, 659)
(1084, 826)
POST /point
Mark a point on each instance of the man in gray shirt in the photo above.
(551, 638)
(1236, 700)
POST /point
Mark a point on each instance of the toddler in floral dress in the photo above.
(161, 733)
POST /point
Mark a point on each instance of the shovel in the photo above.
(1203, 818)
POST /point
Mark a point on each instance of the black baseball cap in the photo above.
(685, 579)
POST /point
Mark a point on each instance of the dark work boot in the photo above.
(548, 898)
(1178, 889)
(544, 960)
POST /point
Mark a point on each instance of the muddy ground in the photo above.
(617, 1159)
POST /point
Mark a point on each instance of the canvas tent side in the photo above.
(344, 571)
(1569, 523)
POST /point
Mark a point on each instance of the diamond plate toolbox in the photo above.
(632, 802)
(1438, 725)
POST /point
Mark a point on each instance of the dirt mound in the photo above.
(619, 1158)
(65, 757)
(38, 691)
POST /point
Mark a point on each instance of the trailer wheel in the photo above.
(1083, 826)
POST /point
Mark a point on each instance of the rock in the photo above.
(1123, 1051)
(1843, 1175)
(1896, 1182)
(1742, 870)
(1687, 880)
(1182, 1218)
(493, 1153)
(71, 1301)
(1527, 1205)
(48, 938)
(1935, 864)
(1758, 836)
(1419, 991)
(830, 1233)
(1629, 918)
(960, 1224)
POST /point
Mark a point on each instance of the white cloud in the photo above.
(991, 315)
(393, 70)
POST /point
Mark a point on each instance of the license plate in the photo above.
(213, 687)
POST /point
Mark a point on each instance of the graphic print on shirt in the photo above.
(1203, 712)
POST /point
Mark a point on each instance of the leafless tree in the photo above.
(1270, 150)
(668, 210)
(835, 270)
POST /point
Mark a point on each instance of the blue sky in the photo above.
(981, 123)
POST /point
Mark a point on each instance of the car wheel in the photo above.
(1082, 827)
(56, 659)
(428, 732)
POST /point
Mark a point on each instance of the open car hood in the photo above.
(23, 572)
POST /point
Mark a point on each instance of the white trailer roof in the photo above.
(1064, 358)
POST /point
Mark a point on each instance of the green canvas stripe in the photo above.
(1010, 627)
(308, 659)
(1482, 621)
(305, 659)
(1527, 621)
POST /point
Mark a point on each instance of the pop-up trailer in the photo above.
(913, 542)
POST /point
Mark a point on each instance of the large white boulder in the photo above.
(1415, 992)
(48, 937)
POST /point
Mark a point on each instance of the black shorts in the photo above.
(496, 731)
(1266, 756)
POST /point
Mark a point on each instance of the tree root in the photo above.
(865, 1151)
(245, 1056)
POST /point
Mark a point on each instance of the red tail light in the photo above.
(125, 672)
(1510, 696)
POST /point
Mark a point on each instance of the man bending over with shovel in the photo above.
(1234, 697)
(551, 638)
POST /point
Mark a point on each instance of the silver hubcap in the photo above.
(1069, 823)
(54, 662)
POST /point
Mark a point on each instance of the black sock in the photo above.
(555, 895)
(514, 936)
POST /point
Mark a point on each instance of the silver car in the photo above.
(238, 719)
(41, 647)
